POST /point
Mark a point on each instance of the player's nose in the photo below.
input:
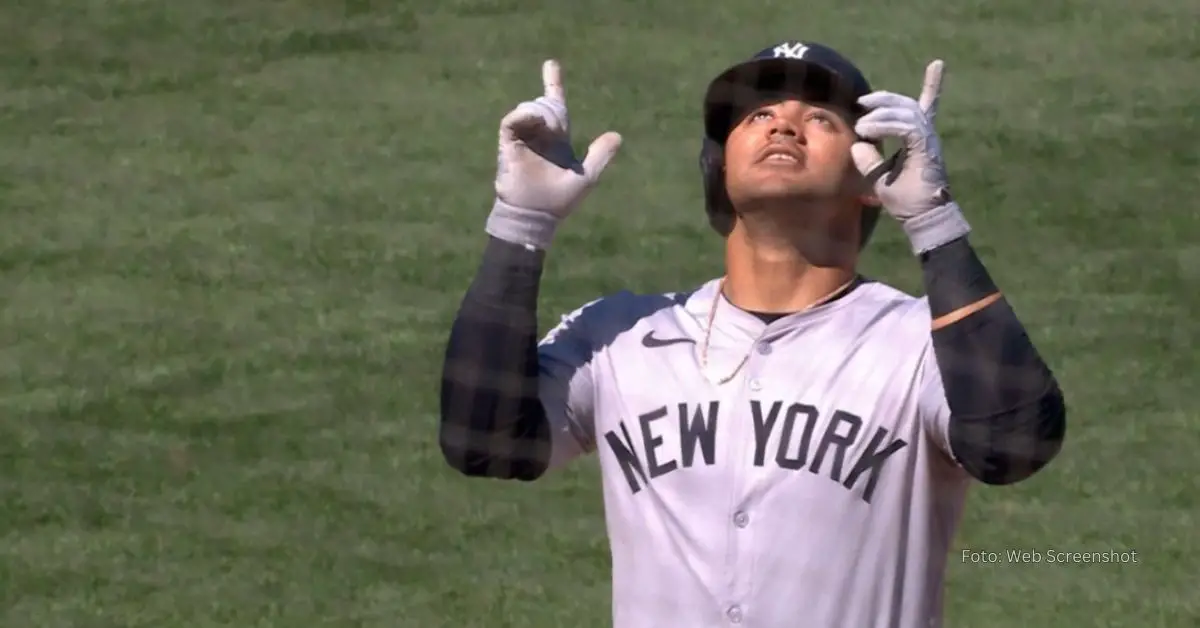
(787, 122)
(783, 128)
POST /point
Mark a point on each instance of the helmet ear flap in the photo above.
(870, 213)
(870, 218)
(716, 199)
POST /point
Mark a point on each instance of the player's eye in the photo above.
(823, 118)
(761, 114)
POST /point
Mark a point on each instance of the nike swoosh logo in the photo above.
(650, 341)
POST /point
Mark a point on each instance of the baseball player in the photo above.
(789, 444)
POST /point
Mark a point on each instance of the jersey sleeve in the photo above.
(566, 383)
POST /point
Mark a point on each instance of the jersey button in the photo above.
(741, 519)
(735, 614)
(764, 348)
(755, 385)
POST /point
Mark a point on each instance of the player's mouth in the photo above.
(781, 155)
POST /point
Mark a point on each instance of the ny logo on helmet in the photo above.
(791, 51)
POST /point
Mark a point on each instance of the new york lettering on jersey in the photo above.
(791, 435)
(664, 417)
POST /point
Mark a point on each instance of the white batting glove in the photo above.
(539, 181)
(912, 188)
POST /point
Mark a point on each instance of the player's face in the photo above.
(789, 149)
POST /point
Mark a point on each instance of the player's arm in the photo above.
(1007, 415)
(510, 410)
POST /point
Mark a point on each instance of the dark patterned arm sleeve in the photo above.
(1007, 415)
(493, 423)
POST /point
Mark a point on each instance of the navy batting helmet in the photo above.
(818, 71)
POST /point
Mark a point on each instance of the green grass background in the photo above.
(233, 234)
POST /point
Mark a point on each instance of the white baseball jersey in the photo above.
(815, 488)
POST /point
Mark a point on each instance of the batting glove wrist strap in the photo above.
(936, 227)
(526, 227)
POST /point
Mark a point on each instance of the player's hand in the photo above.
(539, 180)
(912, 187)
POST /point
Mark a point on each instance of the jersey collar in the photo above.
(737, 324)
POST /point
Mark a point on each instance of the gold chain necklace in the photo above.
(712, 314)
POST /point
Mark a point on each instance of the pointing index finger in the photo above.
(931, 91)
(552, 81)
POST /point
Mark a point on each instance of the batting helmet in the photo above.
(818, 71)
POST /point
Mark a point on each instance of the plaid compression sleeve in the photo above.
(1007, 413)
(493, 423)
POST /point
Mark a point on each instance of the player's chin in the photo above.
(787, 185)
(781, 174)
